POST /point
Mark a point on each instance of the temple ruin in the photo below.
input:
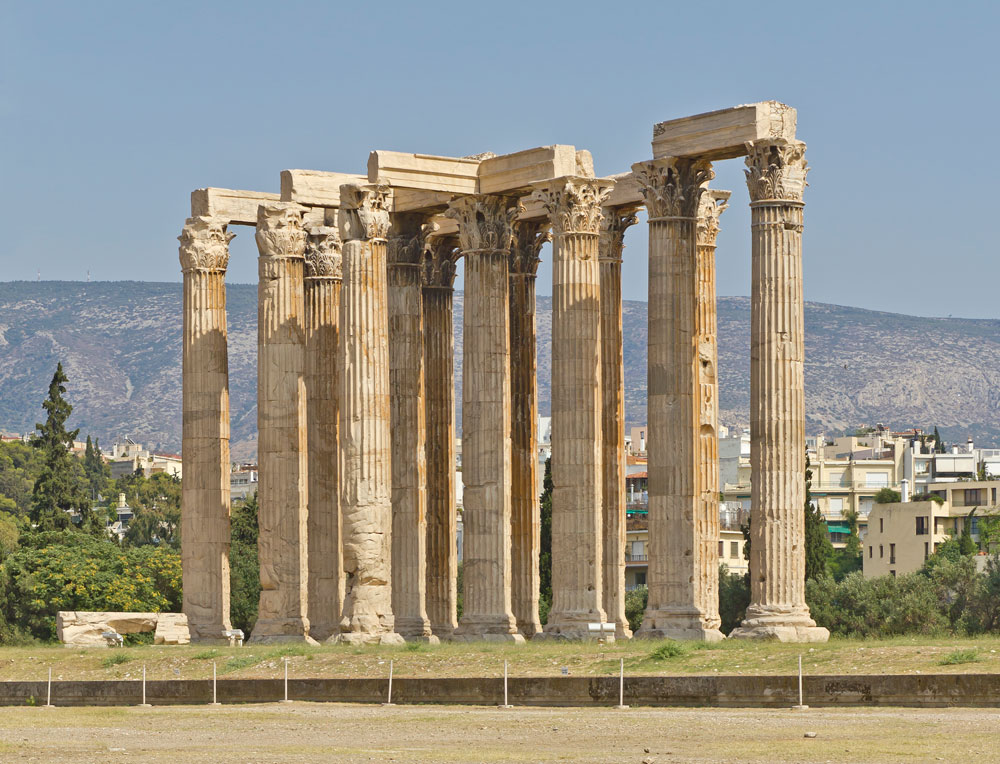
(356, 394)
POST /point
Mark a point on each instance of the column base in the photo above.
(623, 632)
(366, 638)
(281, 639)
(323, 632)
(280, 632)
(574, 627)
(781, 625)
(499, 629)
(416, 630)
(529, 630)
(688, 625)
(207, 634)
(443, 631)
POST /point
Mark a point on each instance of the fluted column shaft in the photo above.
(776, 179)
(204, 255)
(613, 227)
(525, 509)
(323, 275)
(577, 521)
(485, 232)
(407, 415)
(439, 408)
(281, 424)
(677, 586)
(365, 443)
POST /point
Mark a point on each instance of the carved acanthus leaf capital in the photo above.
(713, 203)
(485, 221)
(672, 187)
(776, 170)
(279, 230)
(574, 203)
(364, 211)
(408, 239)
(525, 253)
(440, 259)
(323, 257)
(205, 244)
(614, 223)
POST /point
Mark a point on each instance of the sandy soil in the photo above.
(303, 732)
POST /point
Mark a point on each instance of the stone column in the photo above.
(439, 412)
(204, 254)
(525, 522)
(711, 205)
(365, 446)
(485, 224)
(282, 544)
(613, 227)
(323, 274)
(574, 207)
(672, 189)
(408, 427)
(776, 177)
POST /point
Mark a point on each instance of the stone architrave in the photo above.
(710, 208)
(204, 255)
(323, 275)
(525, 523)
(282, 542)
(365, 445)
(613, 227)
(672, 189)
(776, 177)
(485, 226)
(439, 414)
(406, 244)
(574, 207)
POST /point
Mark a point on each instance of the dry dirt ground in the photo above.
(306, 732)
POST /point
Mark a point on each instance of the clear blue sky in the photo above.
(111, 113)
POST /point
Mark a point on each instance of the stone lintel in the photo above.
(314, 187)
(516, 172)
(723, 134)
(423, 171)
(238, 207)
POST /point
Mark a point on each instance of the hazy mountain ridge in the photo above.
(120, 344)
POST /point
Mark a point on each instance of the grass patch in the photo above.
(956, 657)
(115, 659)
(668, 650)
(205, 655)
(238, 662)
(288, 651)
(415, 647)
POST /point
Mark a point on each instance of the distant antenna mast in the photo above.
(88, 275)
(39, 276)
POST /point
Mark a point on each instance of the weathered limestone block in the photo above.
(204, 255)
(574, 206)
(78, 628)
(406, 245)
(776, 177)
(613, 227)
(281, 423)
(525, 510)
(365, 442)
(230, 205)
(486, 233)
(323, 274)
(723, 134)
(678, 587)
(439, 413)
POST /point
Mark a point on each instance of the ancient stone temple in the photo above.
(357, 404)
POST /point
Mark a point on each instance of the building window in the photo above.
(926, 550)
(892, 573)
(871, 552)
(881, 525)
(640, 579)
(734, 549)
(721, 548)
(836, 504)
(972, 497)
(923, 526)
(881, 551)
(877, 480)
(892, 554)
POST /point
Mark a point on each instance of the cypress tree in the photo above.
(545, 546)
(818, 546)
(98, 473)
(61, 486)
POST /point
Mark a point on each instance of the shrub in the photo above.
(956, 657)
(116, 659)
(887, 496)
(635, 606)
(734, 596)
(667, 651)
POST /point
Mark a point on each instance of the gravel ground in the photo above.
(305, 732)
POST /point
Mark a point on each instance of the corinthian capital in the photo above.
(672, 186)
(776, 170)
(485, 221)
(205, 244)
(323, 259)
(440, 258)
(529, 236)
(408, 237)
(614, 223)
(365, 211)
(279, 230)
(713, 204)
(574, 204)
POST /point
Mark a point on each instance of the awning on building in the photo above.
(838, 528)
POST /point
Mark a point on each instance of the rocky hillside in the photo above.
(120, 345)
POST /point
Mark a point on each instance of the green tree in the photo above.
(734, 597)
(965, 543)
(98, 472)
(545, 546)
(20, 465)
(989, 534)
(887, 496)
(61, 486)
(156, 508)
(938, 443)
(635, 606)
(818, 546)
(244, 572)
